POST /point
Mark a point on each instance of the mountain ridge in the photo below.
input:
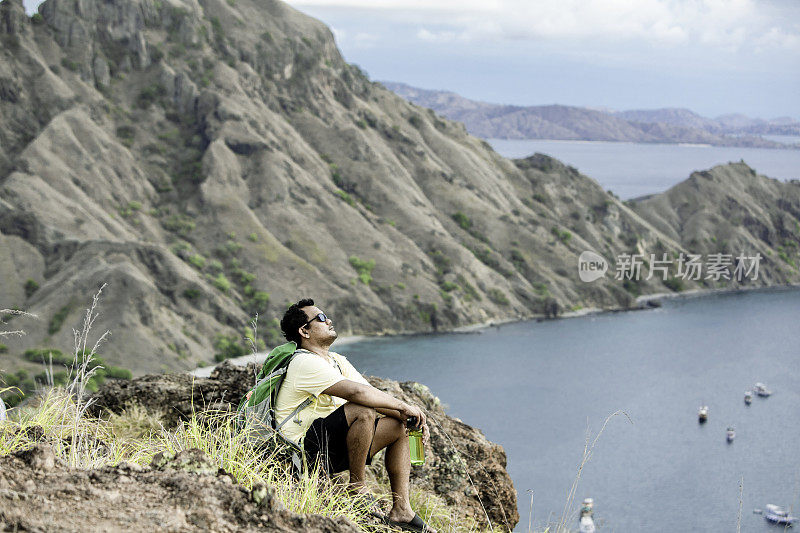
(562, 122)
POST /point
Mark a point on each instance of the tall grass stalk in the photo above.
(561, 527)
(13, 312)
(83, 372)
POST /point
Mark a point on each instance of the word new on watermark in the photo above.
(690, 267)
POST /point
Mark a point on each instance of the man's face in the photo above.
(319, 332)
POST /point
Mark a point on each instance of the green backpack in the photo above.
(257, 407)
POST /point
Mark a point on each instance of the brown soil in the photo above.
(38, 493)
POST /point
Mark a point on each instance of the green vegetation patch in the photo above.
(221, 282)
(562, 235)
(179, 223)
(228, 346)
(30, 287)
(150, 95)
(497, 296)
(58, 320)
(364, 268)
(346, 197)
(462, 220)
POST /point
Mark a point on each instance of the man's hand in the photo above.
(409, 410)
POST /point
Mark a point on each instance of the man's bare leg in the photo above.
(389, 433)
(361, 421)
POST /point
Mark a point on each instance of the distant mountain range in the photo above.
(671, 125)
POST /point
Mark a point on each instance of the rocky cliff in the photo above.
(462, 467)
(213, 159)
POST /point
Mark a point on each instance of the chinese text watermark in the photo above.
(689, 267)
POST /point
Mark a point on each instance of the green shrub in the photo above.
(68, 64)
(364, 268)
(346, 197)
(215, 266)
(30, 287)
(497, 296)
(258, 302)
(674, 284)
(252, 237)
(448, 286)
(487, 258)
(43, 355)
(415, 121)
(227, 347)
(462, 220)
(470, 293)
(563, 235)
(221, 282)
(3, 348)
(181, 248)
(191, 294)
(150, 95)
(126, 134)
(37, 18)
(245, 277)
(179, 223)
(58, 320)
(118, 372)
(232, 247)
(197, 261)
(539, 197)
(441, 261)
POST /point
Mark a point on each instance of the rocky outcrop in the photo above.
(462, 467)
(38, 493)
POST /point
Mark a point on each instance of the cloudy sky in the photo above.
(711, 56)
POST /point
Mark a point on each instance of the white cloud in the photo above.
(723, 24)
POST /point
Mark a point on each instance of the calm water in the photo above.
(631, 170)
(536, 387)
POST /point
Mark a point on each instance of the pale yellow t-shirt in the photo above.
(308, 375)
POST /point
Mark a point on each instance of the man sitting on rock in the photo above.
(349, 420)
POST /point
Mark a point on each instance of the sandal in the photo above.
(415, 524)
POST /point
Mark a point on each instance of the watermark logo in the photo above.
(691, 267)
(591, 266)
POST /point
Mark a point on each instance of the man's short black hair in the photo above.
(295, 318)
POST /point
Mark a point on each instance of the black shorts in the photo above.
(326, 441)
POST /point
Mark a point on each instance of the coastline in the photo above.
(646, 301)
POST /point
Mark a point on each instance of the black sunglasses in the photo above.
(319, 316)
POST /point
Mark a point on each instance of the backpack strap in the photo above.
(296, 412)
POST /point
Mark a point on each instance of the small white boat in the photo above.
(775, 513)
(586, 523)
(702, 414)
(731, 434)
(762, 390)
(748, 397)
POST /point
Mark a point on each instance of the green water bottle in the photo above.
(415, 442)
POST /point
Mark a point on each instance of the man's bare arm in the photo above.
(393, 413)
(371, 397)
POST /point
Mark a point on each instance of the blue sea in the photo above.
(541, 389)
(631, 170)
